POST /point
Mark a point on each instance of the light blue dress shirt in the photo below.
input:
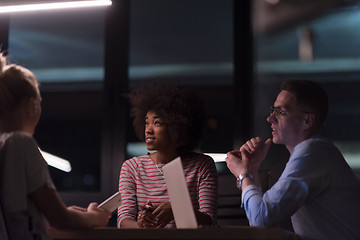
(317, 189)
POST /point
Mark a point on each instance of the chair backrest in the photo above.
(3, 230)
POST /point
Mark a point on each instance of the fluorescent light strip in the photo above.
(56, 162)
(53, 6)
(218, 157)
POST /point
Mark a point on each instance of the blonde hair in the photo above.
(16, 85)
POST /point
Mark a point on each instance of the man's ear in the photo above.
(309, 120)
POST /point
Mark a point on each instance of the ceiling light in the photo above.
(218, 157)
(274, 2)
(52, 6)
(56, 162)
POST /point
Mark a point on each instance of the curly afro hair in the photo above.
(181, 109)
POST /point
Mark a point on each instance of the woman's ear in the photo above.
(31, 106)
(36, 105)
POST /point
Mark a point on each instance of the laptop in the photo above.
(179, 195)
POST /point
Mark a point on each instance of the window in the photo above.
(333, 45)
(65, 50)
(190, 42)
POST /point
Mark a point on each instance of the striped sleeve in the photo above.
(127, 187)
(208, 192)
(201, 177)
(140, 180)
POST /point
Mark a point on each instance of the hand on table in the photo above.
(145, 217)
(163, 214)
(154, 216)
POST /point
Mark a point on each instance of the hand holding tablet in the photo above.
(112, 202)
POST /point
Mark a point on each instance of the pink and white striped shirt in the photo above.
(141, 180)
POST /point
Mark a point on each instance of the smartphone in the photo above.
(112, 202)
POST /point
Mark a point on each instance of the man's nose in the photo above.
(271, 117)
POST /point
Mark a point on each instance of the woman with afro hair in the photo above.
(169, 117)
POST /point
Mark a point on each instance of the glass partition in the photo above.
(190, 42)
(323, 48)
(65, 50)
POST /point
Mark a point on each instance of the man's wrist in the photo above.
(241, 177)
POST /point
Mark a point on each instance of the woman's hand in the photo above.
(163, 214)
(154, 217)
(146, 219)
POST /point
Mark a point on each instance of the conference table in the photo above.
(205, 233)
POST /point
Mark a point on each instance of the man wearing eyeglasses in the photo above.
(317, 188)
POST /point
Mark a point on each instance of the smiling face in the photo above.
(289, 124)
(156, 133)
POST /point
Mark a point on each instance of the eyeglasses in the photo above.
(278, 111)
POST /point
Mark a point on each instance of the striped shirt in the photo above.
(142, 180)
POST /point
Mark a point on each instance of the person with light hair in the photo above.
(29, 200)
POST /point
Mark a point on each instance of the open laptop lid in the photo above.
(179, 194)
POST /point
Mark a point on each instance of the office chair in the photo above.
(3, 230)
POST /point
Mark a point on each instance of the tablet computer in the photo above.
(112, 202)
(179, 194)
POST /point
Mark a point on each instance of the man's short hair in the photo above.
(310, 97)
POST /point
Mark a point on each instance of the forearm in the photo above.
(61, 217)
(128, 223)
(203, 218)
(251, 199)
(263, 209)
(55, 211)
(127, 215)
(76, 219)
